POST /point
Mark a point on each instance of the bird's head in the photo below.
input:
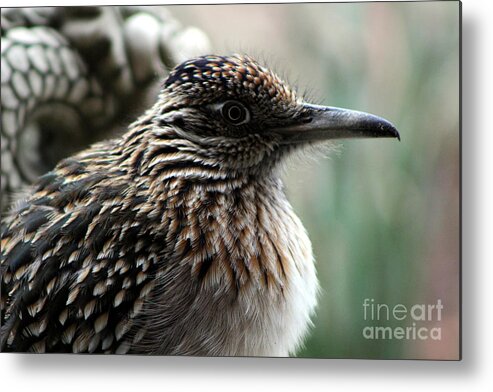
(244, 116)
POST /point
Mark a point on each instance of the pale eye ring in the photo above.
(235, 112)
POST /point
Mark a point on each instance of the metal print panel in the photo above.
(232, 180)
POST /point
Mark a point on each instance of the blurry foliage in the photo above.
(383, 216)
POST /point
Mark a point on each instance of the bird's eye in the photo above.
(235, 113)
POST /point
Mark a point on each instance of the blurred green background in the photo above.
(383, 216)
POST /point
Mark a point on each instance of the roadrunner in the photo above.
(175, 238)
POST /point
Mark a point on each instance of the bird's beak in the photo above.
(325, 122)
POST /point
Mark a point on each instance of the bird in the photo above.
(176, 237)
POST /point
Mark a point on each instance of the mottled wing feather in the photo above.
(75, 272)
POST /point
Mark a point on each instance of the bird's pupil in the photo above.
(234, 112)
